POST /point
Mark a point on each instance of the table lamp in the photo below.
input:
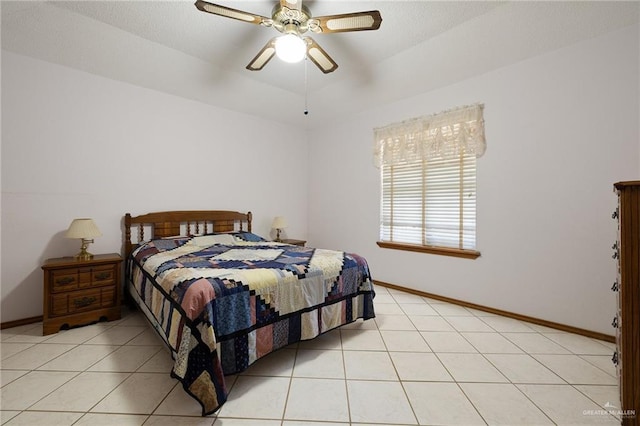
(279, 223)
(86, 230)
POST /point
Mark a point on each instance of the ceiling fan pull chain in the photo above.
(306, 90)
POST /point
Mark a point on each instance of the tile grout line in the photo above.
(346, 382)
(286, 398)
(404, 390)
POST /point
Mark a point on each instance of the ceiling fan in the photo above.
(293, 19)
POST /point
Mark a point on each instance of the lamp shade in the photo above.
(279, 223)
(83, 228)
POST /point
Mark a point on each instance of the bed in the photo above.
(222, 297)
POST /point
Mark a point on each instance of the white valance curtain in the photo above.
(444, 135)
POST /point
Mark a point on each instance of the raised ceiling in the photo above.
(421, 45)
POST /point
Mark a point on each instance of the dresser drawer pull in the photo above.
(85, 301)
(615, 214)
(103, 276)
(614, 323)
(65, 280)
(614, 358)
(615, 286)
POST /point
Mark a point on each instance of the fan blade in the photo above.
(263, 56)
(319, 56)
(291, 4)
(228, 12)
(360, 21)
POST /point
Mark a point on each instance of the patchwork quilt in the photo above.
(223, 301)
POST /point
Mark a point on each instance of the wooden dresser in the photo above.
(80, 292)
(627, 320)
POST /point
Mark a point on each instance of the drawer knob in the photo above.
(615, 286)
(615, 214)
(614, 358)
(85, 301)
(614, 323)
(65, 280)
(103, 276)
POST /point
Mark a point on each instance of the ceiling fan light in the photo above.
(290, 48)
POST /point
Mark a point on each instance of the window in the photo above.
(429, 193)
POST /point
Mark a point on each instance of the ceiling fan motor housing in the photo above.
(290, 21)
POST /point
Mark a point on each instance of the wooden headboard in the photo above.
(187, 222)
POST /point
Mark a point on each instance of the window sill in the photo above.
(444, 251)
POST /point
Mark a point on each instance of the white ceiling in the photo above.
(420, 46)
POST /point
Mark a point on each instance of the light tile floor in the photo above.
(419, 362)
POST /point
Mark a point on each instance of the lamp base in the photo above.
(84, 254)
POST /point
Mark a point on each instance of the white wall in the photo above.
(79, 145)
(561, 129)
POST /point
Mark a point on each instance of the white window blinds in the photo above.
(429, 196)
(430, 203)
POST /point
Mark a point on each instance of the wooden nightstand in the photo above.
(300, 243)
(78, 292)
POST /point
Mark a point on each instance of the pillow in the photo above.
(208, 240)
(167, 243)
(249, 236)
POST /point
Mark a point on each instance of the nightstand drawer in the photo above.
(75, 301)
(85, 300)
(64, 280)
(108, 297)
(105, 275)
